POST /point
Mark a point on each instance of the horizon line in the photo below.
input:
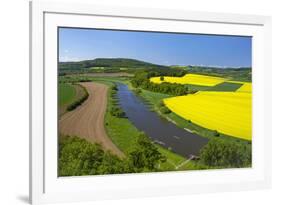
(169, 65)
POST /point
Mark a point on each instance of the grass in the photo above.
(67, 93)
(226, 86)
(197, 87)
(176, 162)
(122, 132)
(96, 68)
(153, 98)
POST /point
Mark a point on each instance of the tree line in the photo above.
(79, 157)
(141, 80)
(115, 109)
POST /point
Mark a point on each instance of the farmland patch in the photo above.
(194, 79)
(226, 86)
(225, 112)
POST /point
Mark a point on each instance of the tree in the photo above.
(141, 80)
(226, 153)
(162, 78)
(79, 157)
(145, 156)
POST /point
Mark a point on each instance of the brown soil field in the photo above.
(87, 120)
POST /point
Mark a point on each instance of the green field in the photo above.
(67, 93)
(197, 87)
(96, 68)
(226, 86)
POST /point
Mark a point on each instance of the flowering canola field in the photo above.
(227, 112)
(193, 79)
(246, 87)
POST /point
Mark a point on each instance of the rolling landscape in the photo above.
(110, 120)
(126, 115)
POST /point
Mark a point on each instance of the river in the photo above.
(158, 129)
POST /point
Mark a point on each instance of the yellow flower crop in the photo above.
(193, 79)
(246, 87)
(227, 112)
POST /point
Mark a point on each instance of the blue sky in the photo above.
(159, 48)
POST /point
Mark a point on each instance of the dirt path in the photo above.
(87, 120)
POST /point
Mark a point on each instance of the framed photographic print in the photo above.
(130, 102)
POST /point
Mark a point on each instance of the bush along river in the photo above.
(159, 130)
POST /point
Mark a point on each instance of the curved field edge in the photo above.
(82, 96)
(70, 95)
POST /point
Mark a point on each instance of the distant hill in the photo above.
(111, 65)
(108, 63)
(242, 73)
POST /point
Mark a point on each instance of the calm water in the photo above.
(158, 129)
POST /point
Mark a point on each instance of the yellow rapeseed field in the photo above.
(227, 112)
(193, 79)
(246, 87)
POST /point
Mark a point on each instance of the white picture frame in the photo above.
(47, 187)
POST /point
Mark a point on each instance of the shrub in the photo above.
(84, 80)
(117, 112)
(114, 87)
(165, 110)
(161, 104)
(138, 91)
(216, 133)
